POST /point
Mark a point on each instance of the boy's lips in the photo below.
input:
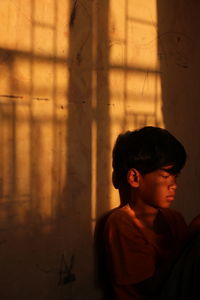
(170, 197)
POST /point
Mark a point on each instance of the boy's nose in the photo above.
(173, 184)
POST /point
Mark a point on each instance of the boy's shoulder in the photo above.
(120, 213)
(126, 215)
(123, 220)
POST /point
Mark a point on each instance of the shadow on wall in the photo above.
(178, 47)
(88, 134)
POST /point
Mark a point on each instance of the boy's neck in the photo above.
(145, 213)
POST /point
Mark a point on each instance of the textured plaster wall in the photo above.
(178, 48)
(73, 74)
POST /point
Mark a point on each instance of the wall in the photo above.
(73, 74)
(178, 49)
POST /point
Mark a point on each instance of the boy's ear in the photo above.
(133, 177)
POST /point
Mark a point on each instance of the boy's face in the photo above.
(158, 188)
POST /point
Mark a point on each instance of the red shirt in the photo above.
(135, 251)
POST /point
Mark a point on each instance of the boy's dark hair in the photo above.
(147, 149)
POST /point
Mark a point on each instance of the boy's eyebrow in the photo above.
(167, 169)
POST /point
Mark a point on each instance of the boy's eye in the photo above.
(164, 176)
(168, 175)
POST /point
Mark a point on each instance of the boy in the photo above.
(144, 232)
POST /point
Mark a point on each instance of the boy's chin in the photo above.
(165, 205)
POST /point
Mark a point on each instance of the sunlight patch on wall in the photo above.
(134, 74)
(33, 109)
(15, 25)
(94, 174)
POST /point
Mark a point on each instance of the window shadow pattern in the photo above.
(61, 109)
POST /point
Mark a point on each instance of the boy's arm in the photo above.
(154, 284)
